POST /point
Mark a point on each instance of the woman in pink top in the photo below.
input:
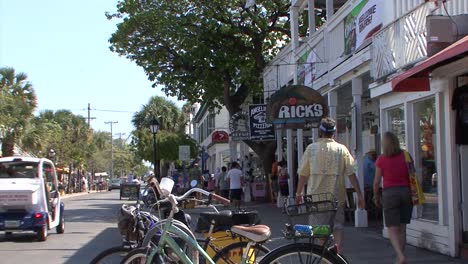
(396, 195)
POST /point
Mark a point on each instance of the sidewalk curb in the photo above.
(76, 195)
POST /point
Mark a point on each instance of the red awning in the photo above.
(417, 78)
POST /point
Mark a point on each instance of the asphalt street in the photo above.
(91, 227)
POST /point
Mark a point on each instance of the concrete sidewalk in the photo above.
(66, 196)
(361, 245)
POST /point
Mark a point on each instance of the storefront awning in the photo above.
(417, 78)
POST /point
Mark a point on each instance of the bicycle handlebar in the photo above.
(194, 190)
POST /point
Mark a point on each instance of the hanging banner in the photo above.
(239, 126)
(296, 106)
(260, 129)
(363, 22)
(307, 68)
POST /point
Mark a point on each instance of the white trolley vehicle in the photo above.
(29, 197)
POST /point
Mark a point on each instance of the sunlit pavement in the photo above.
(91, 226)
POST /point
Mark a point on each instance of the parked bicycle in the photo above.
(312, 243)
(174, 245)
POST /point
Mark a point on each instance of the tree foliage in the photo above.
(17, 104)
(202, 51)
(171, 133)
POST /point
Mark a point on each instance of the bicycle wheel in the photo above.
(112, 255)
(136, 256)
(233, 253)
(302, 253)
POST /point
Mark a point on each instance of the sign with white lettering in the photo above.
(362, 23)
(296, 106)
(260, 129)
(239, 126)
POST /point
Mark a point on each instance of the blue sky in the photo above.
(63, 47)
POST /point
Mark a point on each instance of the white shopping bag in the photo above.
(360, 216)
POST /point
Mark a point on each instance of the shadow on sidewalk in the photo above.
(108, 238)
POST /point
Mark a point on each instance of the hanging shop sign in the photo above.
(220, 137)
(307, 68)
(239, 126)
(362, 23)
(260, 129)
(296, 106)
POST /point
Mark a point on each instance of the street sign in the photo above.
(184, 153)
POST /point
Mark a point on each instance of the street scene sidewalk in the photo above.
(361, 245)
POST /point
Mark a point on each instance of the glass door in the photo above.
(425, 156)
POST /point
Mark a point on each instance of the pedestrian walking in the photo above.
(224, 183)
(283, 178)
(217, 175)
(396, 195)
(235, 178)
(324, 166)
(274, 180)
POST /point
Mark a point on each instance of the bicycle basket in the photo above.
(321, 209)
(126, 221)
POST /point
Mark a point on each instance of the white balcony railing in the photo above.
(400, 43)
(403, 42)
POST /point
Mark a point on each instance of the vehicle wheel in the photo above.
(42, 233)
(136, 256)
(61, 226)
(303, 253)
(111, 256)
(233, 253)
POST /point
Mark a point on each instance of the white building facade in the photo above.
(351, 60)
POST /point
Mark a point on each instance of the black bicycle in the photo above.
(312, 243)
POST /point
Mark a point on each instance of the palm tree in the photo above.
(19, 108)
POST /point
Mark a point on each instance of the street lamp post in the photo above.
(52, 155)
(154, 129)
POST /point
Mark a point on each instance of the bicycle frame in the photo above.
(166, 239)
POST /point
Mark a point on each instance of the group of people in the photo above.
(326, 164)
(227, 183)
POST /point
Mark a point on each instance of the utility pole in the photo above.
(89, 115)
(112, 147)
(120, 138)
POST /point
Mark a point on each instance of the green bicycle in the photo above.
(171, 244)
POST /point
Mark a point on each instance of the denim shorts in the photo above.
(397, 206)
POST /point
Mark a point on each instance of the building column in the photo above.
(311, 15)
(232, 150)
(357, 89)
(330, 9)
(289, 160)
(279, 157)
(332, 103)
(300, 145)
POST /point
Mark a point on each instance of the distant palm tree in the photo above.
(22, 103)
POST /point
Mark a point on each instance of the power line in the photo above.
(114, 111)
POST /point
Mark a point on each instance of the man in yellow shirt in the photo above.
(324, 166)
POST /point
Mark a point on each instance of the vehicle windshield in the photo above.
(116, 181)
(18, 169)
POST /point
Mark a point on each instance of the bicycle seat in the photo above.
(257, 233)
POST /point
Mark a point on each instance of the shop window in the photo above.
(396, 124)
(425, 156)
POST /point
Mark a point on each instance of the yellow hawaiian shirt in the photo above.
(326, 163)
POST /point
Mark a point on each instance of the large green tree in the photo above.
(212, 52)
(171, 132)
(18, 102)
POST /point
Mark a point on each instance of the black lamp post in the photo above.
(154, 129)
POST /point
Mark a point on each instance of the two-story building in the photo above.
(211, 131)
(361, 59)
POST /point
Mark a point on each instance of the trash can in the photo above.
(224, 221)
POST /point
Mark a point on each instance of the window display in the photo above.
(396, 124)
(425, 156)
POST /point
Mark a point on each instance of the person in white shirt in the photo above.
(236, 178)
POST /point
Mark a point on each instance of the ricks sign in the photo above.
(296, 106)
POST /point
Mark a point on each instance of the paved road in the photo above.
(90, 228)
